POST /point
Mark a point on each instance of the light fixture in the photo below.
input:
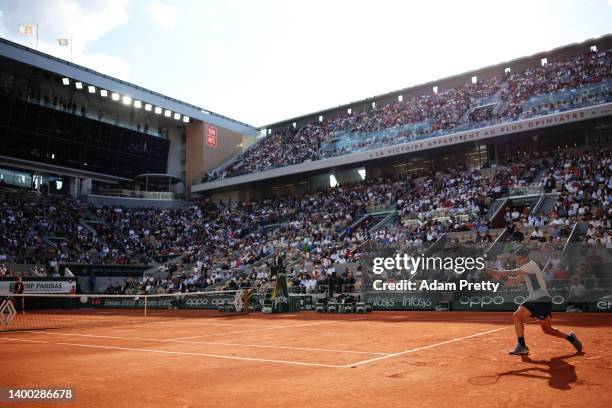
(177, 116)
(158, 110)
(91, 89)
(103, 93)
(127, 100)
(115, 96)
(66, 81)
(137, 104)
(167, 113)
(79, 85)
(186, 119)
(333, 182)
(148, 107)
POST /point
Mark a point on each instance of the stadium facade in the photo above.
(68, 128)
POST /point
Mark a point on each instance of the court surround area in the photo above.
(309, 359)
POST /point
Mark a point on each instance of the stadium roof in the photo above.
(61, 67)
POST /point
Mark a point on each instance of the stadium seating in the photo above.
(231, 246)
(557, 86)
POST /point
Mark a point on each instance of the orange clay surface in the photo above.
(383, 359)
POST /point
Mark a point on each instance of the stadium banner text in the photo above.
(402, 301)
(509, 301)
(38, 285)
(104, 270)
(204, 301)
(466, 136)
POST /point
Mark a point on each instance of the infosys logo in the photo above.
(381, 302)
(414, 301)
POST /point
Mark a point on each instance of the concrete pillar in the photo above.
(85, 186)
(73, 187)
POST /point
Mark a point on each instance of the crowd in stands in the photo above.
(584, 181)
(215, 245)
(5, 271)
(211, 237)
(499, 99)
(284, 149)
(26, 218)
(586, 69)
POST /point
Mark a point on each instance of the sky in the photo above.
(263, 61)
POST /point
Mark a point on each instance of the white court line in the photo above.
(181, 353)
(266, 360)
(254, 330)
(198, 323)
(461, 319)
(426, 347)
(209, 343)
(210, 324)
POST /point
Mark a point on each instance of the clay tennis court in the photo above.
(308, 359)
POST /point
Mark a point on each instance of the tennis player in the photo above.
(538, 303)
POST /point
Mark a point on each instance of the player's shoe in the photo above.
(519, 350)
(575, 342)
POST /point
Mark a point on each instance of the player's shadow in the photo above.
(558, 372)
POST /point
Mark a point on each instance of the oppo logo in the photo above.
(196, 302)
(481, 300)
(205, 301)
(556, 300)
